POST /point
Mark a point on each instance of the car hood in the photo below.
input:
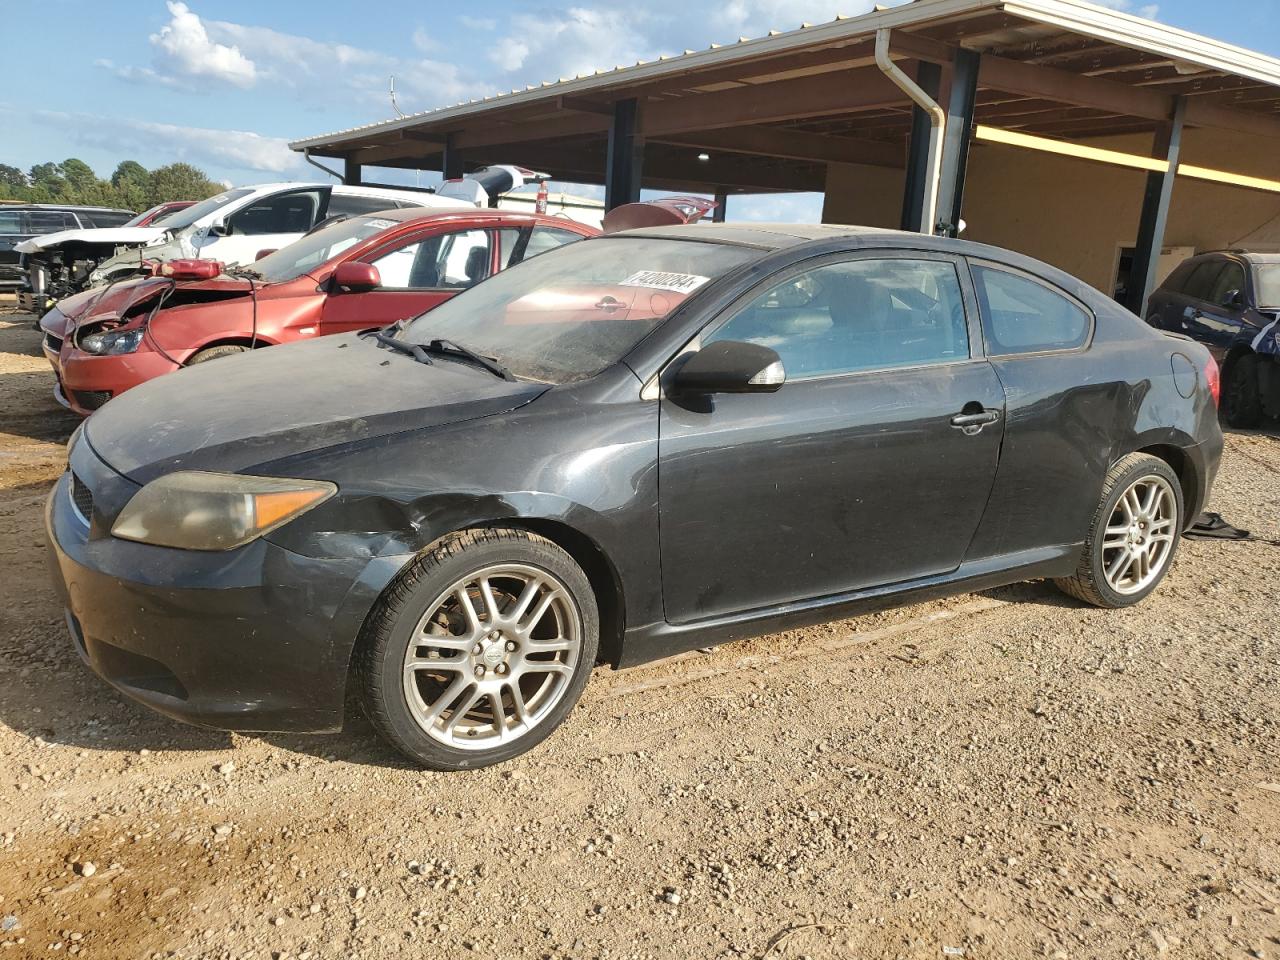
(101, 303)
(232, 414)
(111, 236)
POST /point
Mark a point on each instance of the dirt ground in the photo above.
(1001, 775)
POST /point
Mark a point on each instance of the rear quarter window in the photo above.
(1022, 315)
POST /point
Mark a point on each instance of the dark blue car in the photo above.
(1230, 302)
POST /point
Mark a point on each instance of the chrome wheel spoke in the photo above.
(451, 693)
(491, 609)
(467, 608)
(517, 699)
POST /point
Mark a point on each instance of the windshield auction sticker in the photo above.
(659, 280)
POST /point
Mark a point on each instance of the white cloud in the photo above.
(478, 23)
(166, 142)
(185, 49)
(191, 50)
(755, 18)
(577, 40)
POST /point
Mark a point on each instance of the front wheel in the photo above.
(213, 353)
(479, 649)
(1133, 537)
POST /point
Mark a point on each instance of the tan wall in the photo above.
(1076, 214)
(863, 195)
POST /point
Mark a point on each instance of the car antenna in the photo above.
(395, 106)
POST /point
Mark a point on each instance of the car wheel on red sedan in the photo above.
(213, 353)
(479, 649)
(1134, 535)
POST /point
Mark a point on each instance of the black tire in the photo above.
(1242, 393)
(213, 353)
(1089, 583)
(391, 625)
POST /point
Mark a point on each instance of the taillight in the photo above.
(1213, 379)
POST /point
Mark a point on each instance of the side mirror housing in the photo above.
(730, 366)
(219, 228)
(264, 252)
(1233, 298)
(356, 277)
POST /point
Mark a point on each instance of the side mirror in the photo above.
(1233, 298)
(219, 228)
(356, 277)
(730, 366)
(265, 252)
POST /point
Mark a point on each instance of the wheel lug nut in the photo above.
(502, 668)
(511, 645)
(476, 650)
(480, 671)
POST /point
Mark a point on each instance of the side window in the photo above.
(444, 261)
(50, 221)
(508, 244)
(10, 221)
(548, 238)
(1230, 280)
(857, 315)
(352, 205)
(1021, 315)
(282, 213)
(105, 219)
(1200, 284)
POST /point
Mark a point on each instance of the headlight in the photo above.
(193, 510)
(111, 342)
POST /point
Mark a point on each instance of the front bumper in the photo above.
(89, 381)
(253, 639)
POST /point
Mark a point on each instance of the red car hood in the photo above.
(103, 303)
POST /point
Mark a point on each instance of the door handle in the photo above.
(972, 423)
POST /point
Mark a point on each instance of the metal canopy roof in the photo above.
(776, 110)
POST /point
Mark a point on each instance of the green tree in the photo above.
(131, 182)
(47, 181)
(12, 177)
(179, 181)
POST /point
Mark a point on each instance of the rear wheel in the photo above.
(213, 353)
(479, 649)
(1242, 393)
(1133, 537)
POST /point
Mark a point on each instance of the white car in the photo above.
(234, 227)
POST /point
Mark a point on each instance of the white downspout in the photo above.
(937, 126)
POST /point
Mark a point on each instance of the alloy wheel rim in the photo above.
(493, 656)
(1140, 535)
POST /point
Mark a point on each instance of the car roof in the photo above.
(72, 207)
(473, 214)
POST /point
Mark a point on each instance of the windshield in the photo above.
(185, 218)
(570, 313)
(311, 251)
(1269, 285)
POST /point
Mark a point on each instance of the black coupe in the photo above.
(629, 447)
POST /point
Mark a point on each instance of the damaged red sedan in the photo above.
(366, 271)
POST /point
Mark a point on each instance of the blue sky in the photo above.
(224, 85)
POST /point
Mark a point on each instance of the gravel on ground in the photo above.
(1002, 775)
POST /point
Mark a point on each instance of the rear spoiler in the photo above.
(485, 185)
(663, 212)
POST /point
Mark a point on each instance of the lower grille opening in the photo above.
(91, 399)
(129, 669)
(53, 343)
(81, 498)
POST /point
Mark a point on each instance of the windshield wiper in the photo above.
(450, 349)
(384, 339)
(238, 271)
